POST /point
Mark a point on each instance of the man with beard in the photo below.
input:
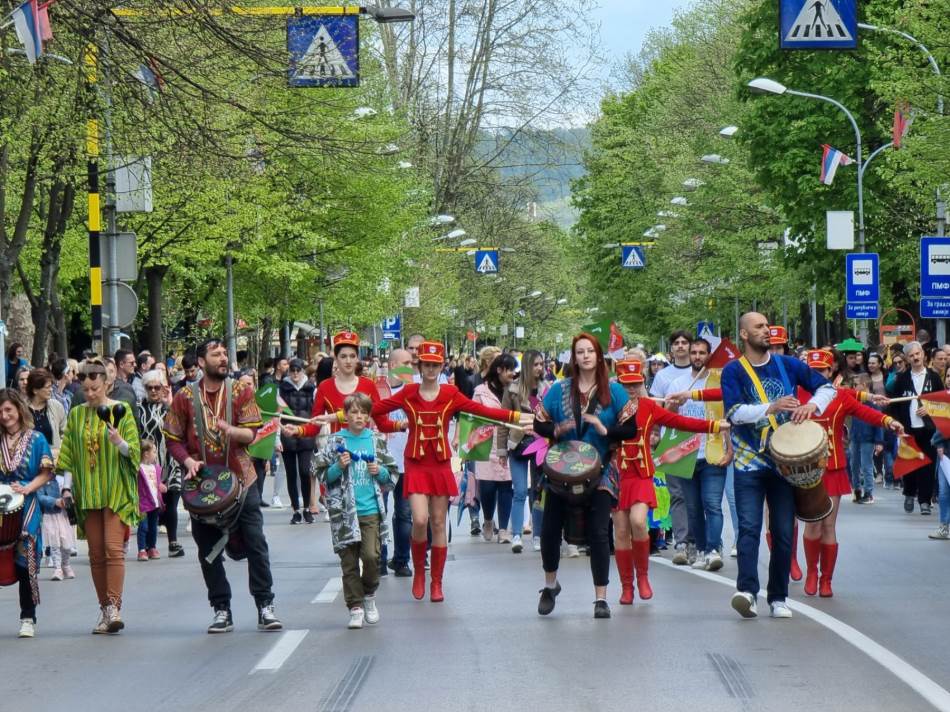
(218, 434)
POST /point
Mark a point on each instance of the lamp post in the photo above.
(763, 85)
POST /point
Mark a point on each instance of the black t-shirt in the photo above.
(41, 423)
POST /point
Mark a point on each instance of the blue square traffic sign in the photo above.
(818, 24)
(861, 277)
(934, 308)
(324, 50)
(392, 328)
(934, 267)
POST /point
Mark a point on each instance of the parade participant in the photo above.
(778, 340)
(758, 393)
(429, 481)
(586, 391)
(356, 467)
(152, 410)
(58, 534)
(27, 465)
(103, 460)
(916, 381)
(151, 489)
(820, 540)
(298, 393)
(634, 461)
(218, 433)
(396, 445)
(661, 387)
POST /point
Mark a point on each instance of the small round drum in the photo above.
(573, 469)
(11, 526)
(800, 451)
(212, 491)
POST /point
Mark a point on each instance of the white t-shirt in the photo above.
(918, 378)
(665, 378)
(691, 408)
(396, 442)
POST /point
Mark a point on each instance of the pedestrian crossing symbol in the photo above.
(632, 257)
(324, 50)
(486, 261)
(818, 24)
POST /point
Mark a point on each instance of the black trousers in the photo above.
(920, 482)
(598, 521)
(251, 527)
(261, 471)
(170, 516)
(27, 607)
(297, 464)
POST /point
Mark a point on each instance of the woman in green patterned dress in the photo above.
(103, 460)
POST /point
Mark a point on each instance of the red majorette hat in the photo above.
(777, 336)
(629, 371)
(820, 359)
(346, 338)
(431, 352)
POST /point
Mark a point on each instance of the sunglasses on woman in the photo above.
(92, 375)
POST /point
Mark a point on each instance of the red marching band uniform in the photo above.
(428, 454)
(835, 476)
(634, 461)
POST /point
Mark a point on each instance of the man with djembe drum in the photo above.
(758, 395)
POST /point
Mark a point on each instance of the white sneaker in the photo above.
(57, 575)
(371, 612)
(744, 604)
(516, 545)
(356, 618)
(572, 551)
(779, 609)
(488, 530)
(733, 552)
(680, 555)
(713, 560)
(27, 628)
(536, 543)
(276, 503)
(699, 562)
(326, 515)
(504, 536)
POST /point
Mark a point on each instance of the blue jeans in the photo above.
(402, 526)
(943, 496)
(148, 531)
(753, 489)
(519, 467)
(703, 494)
(731, 498)
(861, 455)
(490, 491)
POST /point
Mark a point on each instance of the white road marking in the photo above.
(283, 649)
(903, 670)
(330, 591)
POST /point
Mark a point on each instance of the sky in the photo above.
(625, 23)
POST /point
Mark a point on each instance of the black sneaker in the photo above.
(308, 516)
(601, 609)
(383, 569)
(222, 623)
(175, 550)
(858, 494)
(296, 519)
(264, 504)
(266, 619)
(925, 508)
(402, 571)
(476, 529)
(546, 604)
(909, 504)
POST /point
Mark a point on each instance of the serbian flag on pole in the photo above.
(902, 122)
(831, 158)
(909, 457)
(937, 405)
(29, 30)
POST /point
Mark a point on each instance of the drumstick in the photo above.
(903, 399)
(284, 416)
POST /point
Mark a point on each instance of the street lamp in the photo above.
(364, 112)
(390, 149)
(728, 131)
(679, 200)
(442, 220)
(454, 235)
(388, 15)
(715, 159)
(561, 301)
(467, 243)
(692, 183)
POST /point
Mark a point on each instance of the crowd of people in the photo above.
(101, 448)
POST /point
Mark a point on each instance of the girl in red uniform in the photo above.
(634, 460)
(429, 481)
(820, 541)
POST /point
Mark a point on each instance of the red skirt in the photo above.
(635, 489)
(837, 482)
(431, 478)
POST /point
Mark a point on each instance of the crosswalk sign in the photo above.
(486, 261)
(818, 24)
(632, 257)
(324, 50)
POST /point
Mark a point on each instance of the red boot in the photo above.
(812, 554)
(796, 571)
(641, 560)
(625, 569)
(418, 569)
(439, 554)
(829, 555)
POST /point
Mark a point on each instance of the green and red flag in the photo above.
(677, 452)
(270, 403)
(608, 335)
(475, 437)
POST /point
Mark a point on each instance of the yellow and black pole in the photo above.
(91, 66)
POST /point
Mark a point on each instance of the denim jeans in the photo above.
(519, 467)
(147, 533)
(402, 526)
(490, 491)
(703, 494)
(753, 489)
(943, 496)
(861, 455)
(731, 499)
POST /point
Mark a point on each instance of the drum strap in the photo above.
(760, 392)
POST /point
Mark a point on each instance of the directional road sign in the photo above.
(862, 310)
(818, 24)
(392, 328)
(934, 267)
(934, 308)
(324, 50)
(861, 278)
(632, 257)
(486, 261)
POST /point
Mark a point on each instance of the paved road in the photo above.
(485, 648)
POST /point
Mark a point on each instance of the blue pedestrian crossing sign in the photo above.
(486, 261)
(632, 257)
(818, 24)
(392, 328)
(324, 50)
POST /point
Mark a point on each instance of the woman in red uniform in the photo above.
(429, 481)
(634, 460)
(820, 541)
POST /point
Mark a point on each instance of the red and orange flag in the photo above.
(937, 405)
(909, 457)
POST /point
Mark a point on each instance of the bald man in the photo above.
(396, 444)
(758, 395)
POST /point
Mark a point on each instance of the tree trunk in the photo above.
(266, 338)
(154, 276)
